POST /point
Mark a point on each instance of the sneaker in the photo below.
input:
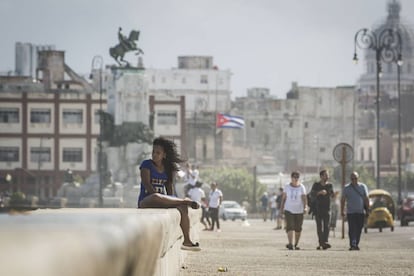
(326, 246)
(319, 248)
(297, 247)
(289, 246)
(353, 248)
(192, 247)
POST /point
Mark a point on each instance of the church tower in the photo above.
(388, 78)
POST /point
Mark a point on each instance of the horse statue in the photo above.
(126, 44)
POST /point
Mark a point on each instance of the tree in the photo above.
(390, 183)
(131, 132)
(365, 176)
(128, 132)
(235, 183)
(108, 126)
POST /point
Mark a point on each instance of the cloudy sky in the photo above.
(264, 43)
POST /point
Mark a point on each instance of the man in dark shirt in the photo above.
(322, 192)
(265, 202)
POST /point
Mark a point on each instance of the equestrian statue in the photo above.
(126, 44)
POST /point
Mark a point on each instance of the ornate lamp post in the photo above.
(399, 62)
(97, 64)
(387, 46)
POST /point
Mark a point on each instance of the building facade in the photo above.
(47, 126)
(301, 131)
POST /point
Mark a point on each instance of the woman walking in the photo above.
(294, 204)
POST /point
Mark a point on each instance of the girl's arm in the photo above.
(146, 180)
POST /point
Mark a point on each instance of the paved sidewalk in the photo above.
(254, 248)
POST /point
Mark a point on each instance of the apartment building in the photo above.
(48, 124)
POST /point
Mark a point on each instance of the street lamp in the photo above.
(399, 62)
(97, 64)
(386, 44)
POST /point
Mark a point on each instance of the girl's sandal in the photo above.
(195, 205)
(192, 247)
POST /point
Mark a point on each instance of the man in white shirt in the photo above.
(216, 197)
(197, 194)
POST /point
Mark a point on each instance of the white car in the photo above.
(232, 210)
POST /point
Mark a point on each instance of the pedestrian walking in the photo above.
(334, 212)
(272, 206)
(294, 203)
(355, 199)
(265, 204)
(279, 213)
(216, 197)
(322, 192)
(198, 194)
(157, 176)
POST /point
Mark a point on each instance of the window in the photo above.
(167, 118)
(40, 154)
(97, 116)
(9, 115)
(362, 157)
(203, 79)
(72, 116)
(370, 154)
(72, 155)
(40, 115)
(9, 154)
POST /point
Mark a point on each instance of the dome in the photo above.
(367, 81)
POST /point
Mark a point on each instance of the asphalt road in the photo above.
(254, 248)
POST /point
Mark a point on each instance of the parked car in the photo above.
(232, 210)
(406, 211)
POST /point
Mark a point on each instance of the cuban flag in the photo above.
(228, 121)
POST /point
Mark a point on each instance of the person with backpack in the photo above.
(320, 197)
